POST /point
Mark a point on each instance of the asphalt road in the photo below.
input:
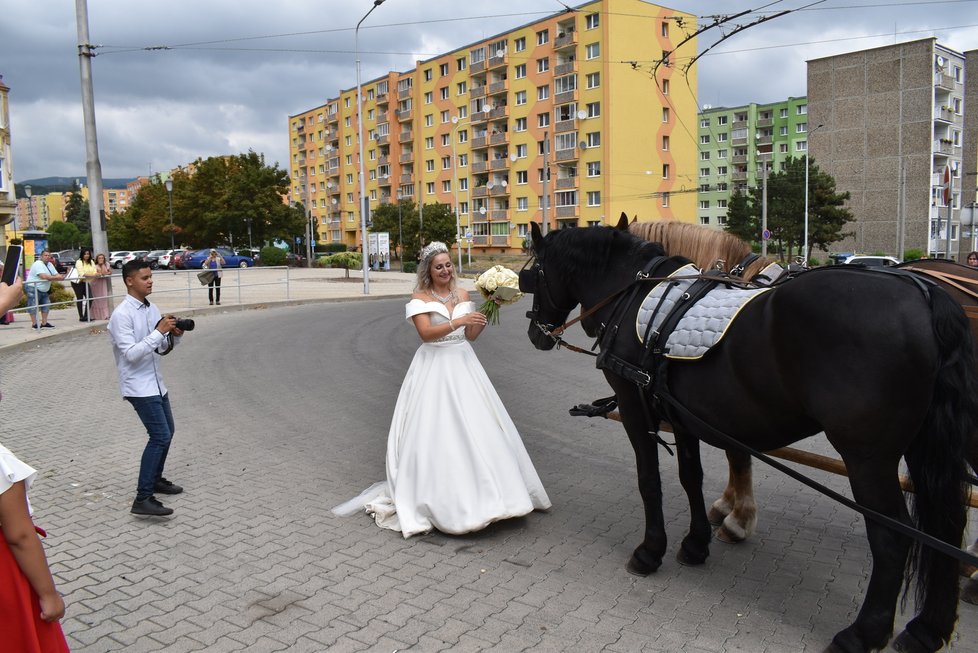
(283, 413)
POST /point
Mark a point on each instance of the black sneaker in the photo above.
(150, 506)
(164, 486)
(47, 325)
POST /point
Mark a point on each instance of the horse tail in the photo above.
(936, 464)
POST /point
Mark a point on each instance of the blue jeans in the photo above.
(155, 414)
(37, 298)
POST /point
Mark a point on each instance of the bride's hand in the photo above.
(473, 319)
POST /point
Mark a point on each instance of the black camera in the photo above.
(185, 324)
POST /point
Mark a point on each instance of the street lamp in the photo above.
(169, 198)
(808, 149)
(364, 201)
(400, 232)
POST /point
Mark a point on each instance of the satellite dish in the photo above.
(489, 185)
(512, 157)
(335, 201)
(329, 148)
(505, 183)
(488, 107)
(582, 114)
(454, 120)
(329, 184)
(482, 210)
(582, 145)
(940, 61)
(707, 107)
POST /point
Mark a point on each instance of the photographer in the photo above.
(140, 336)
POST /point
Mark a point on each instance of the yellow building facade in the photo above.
(566, 119)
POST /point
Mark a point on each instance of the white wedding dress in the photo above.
(455, 461)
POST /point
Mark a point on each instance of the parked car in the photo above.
(153, 258)
(872, 261)
(194, 260)
(295, 260)
(115, 258)
(253, 252)
(56, 262)
(166, 260)
(136, 255)
(68, 257)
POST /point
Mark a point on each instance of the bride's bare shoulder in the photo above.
(421, 296)
(463, 294)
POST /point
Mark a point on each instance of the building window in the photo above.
(594, 198)
(592, 21)
(520, 44)
(593, 80)
(721, 204)
(429, 143)
(543, 92)
(463, 183)
(543, 65)
(704, 139)
(665, 143)
(783, 113)
(593, 109)
(721, 154)
(520, 71)
(594, 139)
(802, 110)
(721, 120)
(543, 37)
(429, 188)
(664, 29)
(444, 92)
(521, 176)
(520, 125)
(594, 169)
(783, 148)
(801, 146)
(463, 136)
(520, 98)
(705, 220)
(665, 200)
(704, 123)
(428, 98)
(429, 120)
(522, 203)
(521, 151)
(446, 162)
(566, 141)
(592, 51)
(446, 186)
(704, 156)
(704, 204)
(460, 63)
(565, 198)
(665, 114)
(721, 170)
(463, 160)
(665, 170)
(427, 75)
(801, 128)
(665, 87)
(443, 69)
(463, 208)
(722, 220)
(446, 139)
(429, 165)
(543, 120)
(445, 117)
(784, 130)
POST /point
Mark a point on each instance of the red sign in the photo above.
(947, 185)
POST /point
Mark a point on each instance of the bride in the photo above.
(455, 461)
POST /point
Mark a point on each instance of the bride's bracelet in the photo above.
(451, 326)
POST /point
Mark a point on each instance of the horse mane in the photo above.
(704, 246)
(595, 251)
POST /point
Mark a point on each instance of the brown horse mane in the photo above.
(707, 248)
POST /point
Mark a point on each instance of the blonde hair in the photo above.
(707, 248)
(428, 252)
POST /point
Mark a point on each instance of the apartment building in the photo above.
(891, 121)
(736, 142)
(565, 119)
(8, 203)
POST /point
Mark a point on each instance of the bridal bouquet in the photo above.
(499, 286)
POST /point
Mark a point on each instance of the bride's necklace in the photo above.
(450, 297)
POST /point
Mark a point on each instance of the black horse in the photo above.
(882, 364)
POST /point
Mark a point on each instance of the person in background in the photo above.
(38, 285)
(99, 309)
(140, 336)
(82, 285)
(973, 259)
(215, 262)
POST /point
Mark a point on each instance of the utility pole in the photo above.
(764, 238)
(93, 168)
(546, 174)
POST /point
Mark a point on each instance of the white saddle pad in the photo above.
(704, 323)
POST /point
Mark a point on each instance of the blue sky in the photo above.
(233, 71)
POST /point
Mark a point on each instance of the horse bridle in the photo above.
(532, 280)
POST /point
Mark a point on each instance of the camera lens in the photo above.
(185, 324)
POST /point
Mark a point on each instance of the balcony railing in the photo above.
(498, 61)
(566, 182)
(498, 138)
(479, 116)
(739, 176)
(383, 140)
(944, 81)
(407, 178)
(498, 190)
(499, 112)
(565, 97)
(404, 93)
(499, 164)
(405, 137)
(562, 126)
(765, 122)
(739, 158)
(382, 98)
(499, 214)
(407, 157)
(565, 68)
(404, 114)
(565, 39)
(479, 166)
(943, 147)
(480, 143)
(566, 155)
(477, 67)
(480, 191)
(498, 87)
(566, 211)
(477, 91)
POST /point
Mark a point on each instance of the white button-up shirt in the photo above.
(137, 345)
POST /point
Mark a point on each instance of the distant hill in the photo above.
(46, 185)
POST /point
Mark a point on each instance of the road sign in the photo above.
(766, 234)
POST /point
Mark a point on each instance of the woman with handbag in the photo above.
(214, 262)
(81, 279)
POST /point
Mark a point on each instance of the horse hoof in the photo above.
(969, 591)
(637, 568)
(716, 516)
(687, 560)
(907, 643)
(728, 536)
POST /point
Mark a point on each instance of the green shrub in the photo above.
(58, 293)
(411, 266)
(347, 260)
(271, 255)
(329, 248)
(913, 254)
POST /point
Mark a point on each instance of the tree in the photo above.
(439, 224)
(63, 235)
(786, 210)
(741, 219)
(213, 204)
(77, 210)
(345, 260)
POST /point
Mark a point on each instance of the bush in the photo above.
(272, 255)
(347, 260)
(411, 266)
(58, 293)
(913, 254)
(329, 248)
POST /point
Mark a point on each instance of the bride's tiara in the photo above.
(432, 248)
